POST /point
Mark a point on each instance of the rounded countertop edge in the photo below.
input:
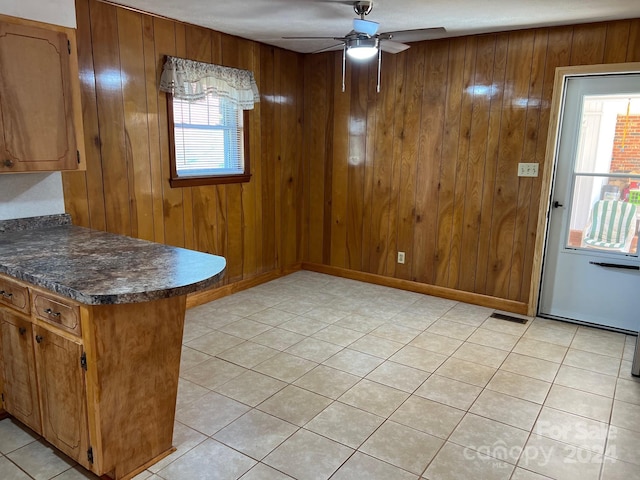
(116, 298)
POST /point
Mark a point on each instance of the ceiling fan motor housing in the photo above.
(363, 7)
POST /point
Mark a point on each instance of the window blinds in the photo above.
(208, 137)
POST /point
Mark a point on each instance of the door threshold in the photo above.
(588, 324)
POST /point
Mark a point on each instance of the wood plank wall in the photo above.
(258, 225)
(429, 165)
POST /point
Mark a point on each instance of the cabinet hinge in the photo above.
(69, 46)
(83, 361)
(90, 454)
(78, 155)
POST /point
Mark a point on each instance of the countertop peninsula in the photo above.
(91, 328)
(95, 267)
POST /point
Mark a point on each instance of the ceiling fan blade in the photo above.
(343, 2)
(339, 46)
(312, 38)
(417, 35)
(390, 46)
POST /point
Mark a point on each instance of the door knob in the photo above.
(39, 338)
(22, 330)
(557, 204)
(7, 163)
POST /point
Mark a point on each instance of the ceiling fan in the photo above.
(364, 41)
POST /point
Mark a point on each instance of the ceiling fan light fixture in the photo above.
(362, 48)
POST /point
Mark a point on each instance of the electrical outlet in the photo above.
(527, 169)
(400, 257)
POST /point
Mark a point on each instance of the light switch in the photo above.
(527, 169)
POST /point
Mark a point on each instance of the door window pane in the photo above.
(605, 205)
(601, 218)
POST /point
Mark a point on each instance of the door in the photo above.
(20, 391)
(591, 268)
(62, 391)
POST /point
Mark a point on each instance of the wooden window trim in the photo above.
(176, 182)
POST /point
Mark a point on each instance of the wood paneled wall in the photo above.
(428, 166)
(257, 226)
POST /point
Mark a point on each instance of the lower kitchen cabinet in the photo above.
(44, 385)
(91, 335)
(60, 366)
(20, 389)
(98, 382)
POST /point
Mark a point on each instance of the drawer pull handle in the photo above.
(51, 313)
(39, 338)
(22, 330)
(8, 163)
(6, 294)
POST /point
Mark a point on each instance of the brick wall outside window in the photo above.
(626, 156)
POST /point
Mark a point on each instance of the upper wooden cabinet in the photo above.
(40, 113)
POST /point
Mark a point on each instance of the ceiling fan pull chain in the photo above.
(379, 67)
(344, 64)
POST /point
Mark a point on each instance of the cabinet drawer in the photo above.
(14, 295)
(57, 311)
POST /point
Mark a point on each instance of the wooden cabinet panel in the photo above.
(14, 295)
(62, 392)
(60, 312)
(134, 365)
(37, 130)
(20, 390)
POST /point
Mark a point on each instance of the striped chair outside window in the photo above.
(612, 226)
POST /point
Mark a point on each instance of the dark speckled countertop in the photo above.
(95, 267)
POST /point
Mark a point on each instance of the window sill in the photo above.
(211, 180)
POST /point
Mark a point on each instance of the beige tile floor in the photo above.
(316, 377)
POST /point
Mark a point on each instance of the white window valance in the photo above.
(190, 80)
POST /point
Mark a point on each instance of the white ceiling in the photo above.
(268, 20)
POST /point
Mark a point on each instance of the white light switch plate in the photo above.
(527, 169)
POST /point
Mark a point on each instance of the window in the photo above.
(208, 121)
(209, 142)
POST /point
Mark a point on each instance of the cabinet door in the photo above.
(20, 388)
(36, 106)
(62, 393)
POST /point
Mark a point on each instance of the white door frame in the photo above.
(551, 158)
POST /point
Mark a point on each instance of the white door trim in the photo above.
(551, 158)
